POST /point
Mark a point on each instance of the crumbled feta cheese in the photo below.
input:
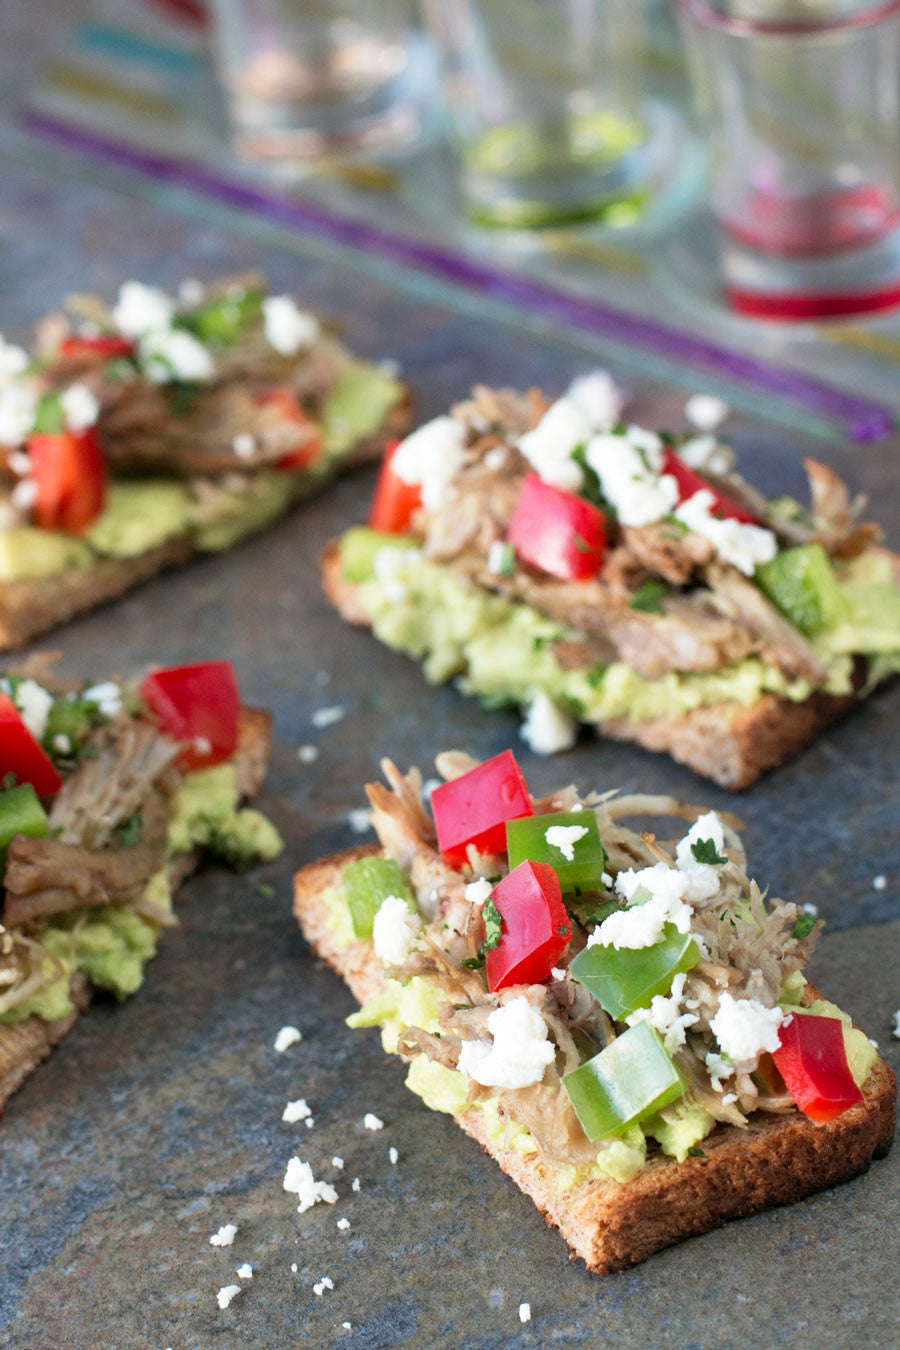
(142, 309)
(299, 1179)
(326, 717)
(519, 1051)
(389, 566)
(744, 546)
(190, 292)
(665, 1016)
(294, 1267)
(347, 1325)
(19, 462)
(479, 891)
(895, 1029)
(18, 406)
(706, 454)
(704, 879)
(606, 880)
(13, 359)
(359, 820)
(294, 1111)
(343, 1224)
(705, 411)
(728, 1098)
(432, 457)
(107, 696)
(495, 457)
(565, 837)
(498, 557)
(62, 743)
(226, 1294)
(547, 729)
(810, 908)
(34, 703)
(744, 1028)
(371, 1122)
(174, 354)
(202, 745)
(394, 930)
(355, 1186)
(718, 1069)
(287, 1037)
(80, 406)
(325, 1283)
(598, 397)
(244, 445)
(225, 1235)
(393, 1156)
(524, 1312)
(309, 1122)
(287, 327)
(308, 754)
(880, 882)
(24, 494)
(245, 1272)
(639, 494)
(558, 973)
(338, 1163)
(642, 925)
(549, 446)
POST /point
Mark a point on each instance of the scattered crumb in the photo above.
(324, 1283)
(287, 1037)
(810, 908)
(895, 1030)
(879, 882)
(343, 1224)
(309, 1122)
(355, 1184)
(705, 411)
(299, 1179)
(428, 787)
(338, 1163)
(358, 820)
(347, 1325)
(225, 1236)
(393, 1155)
(295, 1111)
(326, 717)
(371, 1122)
(558, 973)
(245, 1272)
(524, 1312)
(308, 754)
(226, 1294)
(293, 1267)
(243, 445)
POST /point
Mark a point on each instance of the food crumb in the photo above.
(295, 1111)
(705, 411)
(326, 717)
(393, 1155)
(226, 1294)
(371, 1122)
(287, 1037)
(245, 1272)
(338, 1163)
(895, 1031)
(308, 754)
(810, 908)
(358, 820)
(309, 1122)
(347, 1325)
(355, 1184)
(225, 1235)
(343, 1224)
(293, 1267)
(524, 1312)
(879, 882)
(325, 1283)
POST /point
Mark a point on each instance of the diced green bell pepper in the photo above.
(222, 321)
(526, 841)
(630, 1079)
(801, 583)
(626, 979)
(71, 718)
(358, 549)
(367, 883)
(21, 813)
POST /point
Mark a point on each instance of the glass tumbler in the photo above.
(544, 108)
(801, 102)
(306, 78)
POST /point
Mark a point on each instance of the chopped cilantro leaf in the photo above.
(704, 851)
(474, 962)
(493, 925)
(804, 926)
(648, 595)
(696, 1151)
(128, 831)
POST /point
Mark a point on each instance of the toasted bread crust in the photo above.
(729, 743)
(23, 1045)
(777, 1160)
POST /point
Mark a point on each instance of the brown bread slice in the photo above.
(23, 1045)
(730, 743)
(777, 1160)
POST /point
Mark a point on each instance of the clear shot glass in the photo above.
(801, 103)
(308, 78)
(545, 109)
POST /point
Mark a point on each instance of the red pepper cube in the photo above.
(812, 1060)
(394, 500)
(690, 482)
(536, 928)
(200, 705)
(557, 531)
(69, 474)
(287, 403)
(22, 755)
(474, 808)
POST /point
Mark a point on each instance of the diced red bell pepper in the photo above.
(70, 475)
(474, 808)
(394, 501)
(557, 531)
(200, 705)
(291, 410)
(536, 928)
(100, 344)
(812, 1060)
(22, 755)
(690, 482)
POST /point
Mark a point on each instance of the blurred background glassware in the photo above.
(308, 78)
(545, 108)
(801, 102)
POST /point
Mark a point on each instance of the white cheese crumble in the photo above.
(190, 292)
(225, 1235)
(665, 1016)
(639, 494)
(142, 309)
(308, 754)
(744, 546)
(393, 1156)
(107, 696)
(598, 398)
(432, 457)
(565, 837)
(880, 882)
(19, 462)
(497, 557)
(325, 1283)
(343, 1224)
(294, 1111)
(557, 972)
(62, 743)
(299, 1180)
(519, 1050)
(394, 930)
(359, 820)
(18, 406)
(524, 1312)
(309, 1122)
(642, 925)
(704, 879)
(895, 1029)
(547, 729)
(810, 908)
(287, 327)
(477, 892)
(338, 1163)
(13, 359)
(705, 411)
(744, 1028)
(355, 1186)
(173, 354)
(24, 494)
(294, 1267)
(80, 406)
(226, 1294)
(244, 445)
(34, 703)
(347, 1325)
(326, 717)
(286, 1037)
(548, 446)
(495, 458)
(245, 1272)
(706, 453)
(372, 1122)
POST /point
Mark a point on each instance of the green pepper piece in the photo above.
(359, 546)
(222, 321)
(629, 1080)
(526, 841)
(629, 978)
(368, 882)
(73, 718)
(21, 813)
(801, 583)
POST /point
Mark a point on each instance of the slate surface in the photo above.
(160, 1120)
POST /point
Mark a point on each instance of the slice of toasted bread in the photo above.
(23, 1045)
(777, 1160)
(730, 743)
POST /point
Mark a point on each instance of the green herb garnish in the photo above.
(704, 851)
(804, 926)
(493, 925)
(128, 831)
(648, 595)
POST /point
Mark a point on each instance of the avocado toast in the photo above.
(138, 435)
(623, 1022)
(552, 557)
(112, 793)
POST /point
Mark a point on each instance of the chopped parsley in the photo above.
(804, 926)
(696, 1151)
(128, 831)
(493, 925)
(704, 851)
(648, 595)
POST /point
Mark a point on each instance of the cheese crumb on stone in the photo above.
(547, 729)
(394, 930)
(308, 754)
(299, 1180)
(226, 1294)
(355, 1186)
(519, 1050)
(393, 1156)
(431, 457)
(326, 717)
(294, 1267)
(347, 1325)
(549, 446)
(895, 1029)
(810, 908)
(359, 820)
(565, 837)
(524, 1312)
(371, 1122)
(325, 1283)
(287, 1037)
(879, 883)
(343, 1224)
(705, 411)
(287, 327)
(744, 1028)
(338, 1163)
(245, 1272)
(295, 1111)
(225, 1236)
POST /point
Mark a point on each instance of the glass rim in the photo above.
(705, 13)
